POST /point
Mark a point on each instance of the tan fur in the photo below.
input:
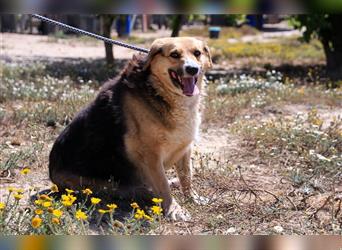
(155, 145)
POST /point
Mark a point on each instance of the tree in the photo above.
(327, 28)
(177, 23)
(107, 21)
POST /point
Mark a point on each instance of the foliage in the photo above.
(315, 25)
(327, 28)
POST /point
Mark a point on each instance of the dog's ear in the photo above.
(156, 48)
(207, 52)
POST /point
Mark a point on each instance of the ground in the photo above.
(269, 153)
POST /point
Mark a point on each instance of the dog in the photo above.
(139, 125)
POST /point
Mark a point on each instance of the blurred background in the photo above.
(142, 29)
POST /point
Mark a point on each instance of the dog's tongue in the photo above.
(189, 86)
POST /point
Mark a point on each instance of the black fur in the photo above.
(92, 145)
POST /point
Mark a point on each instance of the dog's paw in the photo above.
(177, 213)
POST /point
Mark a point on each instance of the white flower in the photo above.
(278, 229)
(231, 230)
(323, 158)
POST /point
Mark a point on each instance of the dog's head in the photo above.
(179, 64)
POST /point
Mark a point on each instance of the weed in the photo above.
(302, 142)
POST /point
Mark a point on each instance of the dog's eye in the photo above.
(197, 53)
(175, 55)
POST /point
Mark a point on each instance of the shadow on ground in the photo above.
(77, 69)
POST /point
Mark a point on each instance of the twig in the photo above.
(243, 180)
(339, 208)
(292, 203)
(321, 207)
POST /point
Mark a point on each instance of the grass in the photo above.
(285, 51)
(231, 97)
(302, 145)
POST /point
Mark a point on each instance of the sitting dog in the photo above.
(139, 125)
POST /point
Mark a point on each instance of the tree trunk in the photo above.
(107, 21)
(8, 23)
(332, 44)
(177, 25)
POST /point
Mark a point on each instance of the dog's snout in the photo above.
(191, 70)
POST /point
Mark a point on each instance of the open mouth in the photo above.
(187, 84)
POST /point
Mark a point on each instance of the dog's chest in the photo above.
(179, 139)
(186, 128)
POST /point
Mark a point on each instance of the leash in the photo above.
(83, 32)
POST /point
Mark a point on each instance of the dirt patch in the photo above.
(19, 45)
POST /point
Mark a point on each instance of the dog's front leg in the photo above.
(156, 178)
(184, 172)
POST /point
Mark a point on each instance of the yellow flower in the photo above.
(156, 210)
(55, 221)
(156, 200)
(69, 191)
(112, 206)
(147, 217)
(95, 201)
(25, 171)
(47, 204)
(2, 206)
(87, 191)
(139, 214)
(58, 213)
(20, 190)
(317, 121)
(50, 210)
(36, 222)
(102, 211)
(38, 202)
(11, 189)
(45, 197)
(18, 196)
(67, 203)
(81, 215)
(54, 188)
(68, 200)
(38, 211)
(134, 205)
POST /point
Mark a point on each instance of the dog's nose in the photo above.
(191, 70)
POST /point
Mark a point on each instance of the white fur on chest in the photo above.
(179, 140)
